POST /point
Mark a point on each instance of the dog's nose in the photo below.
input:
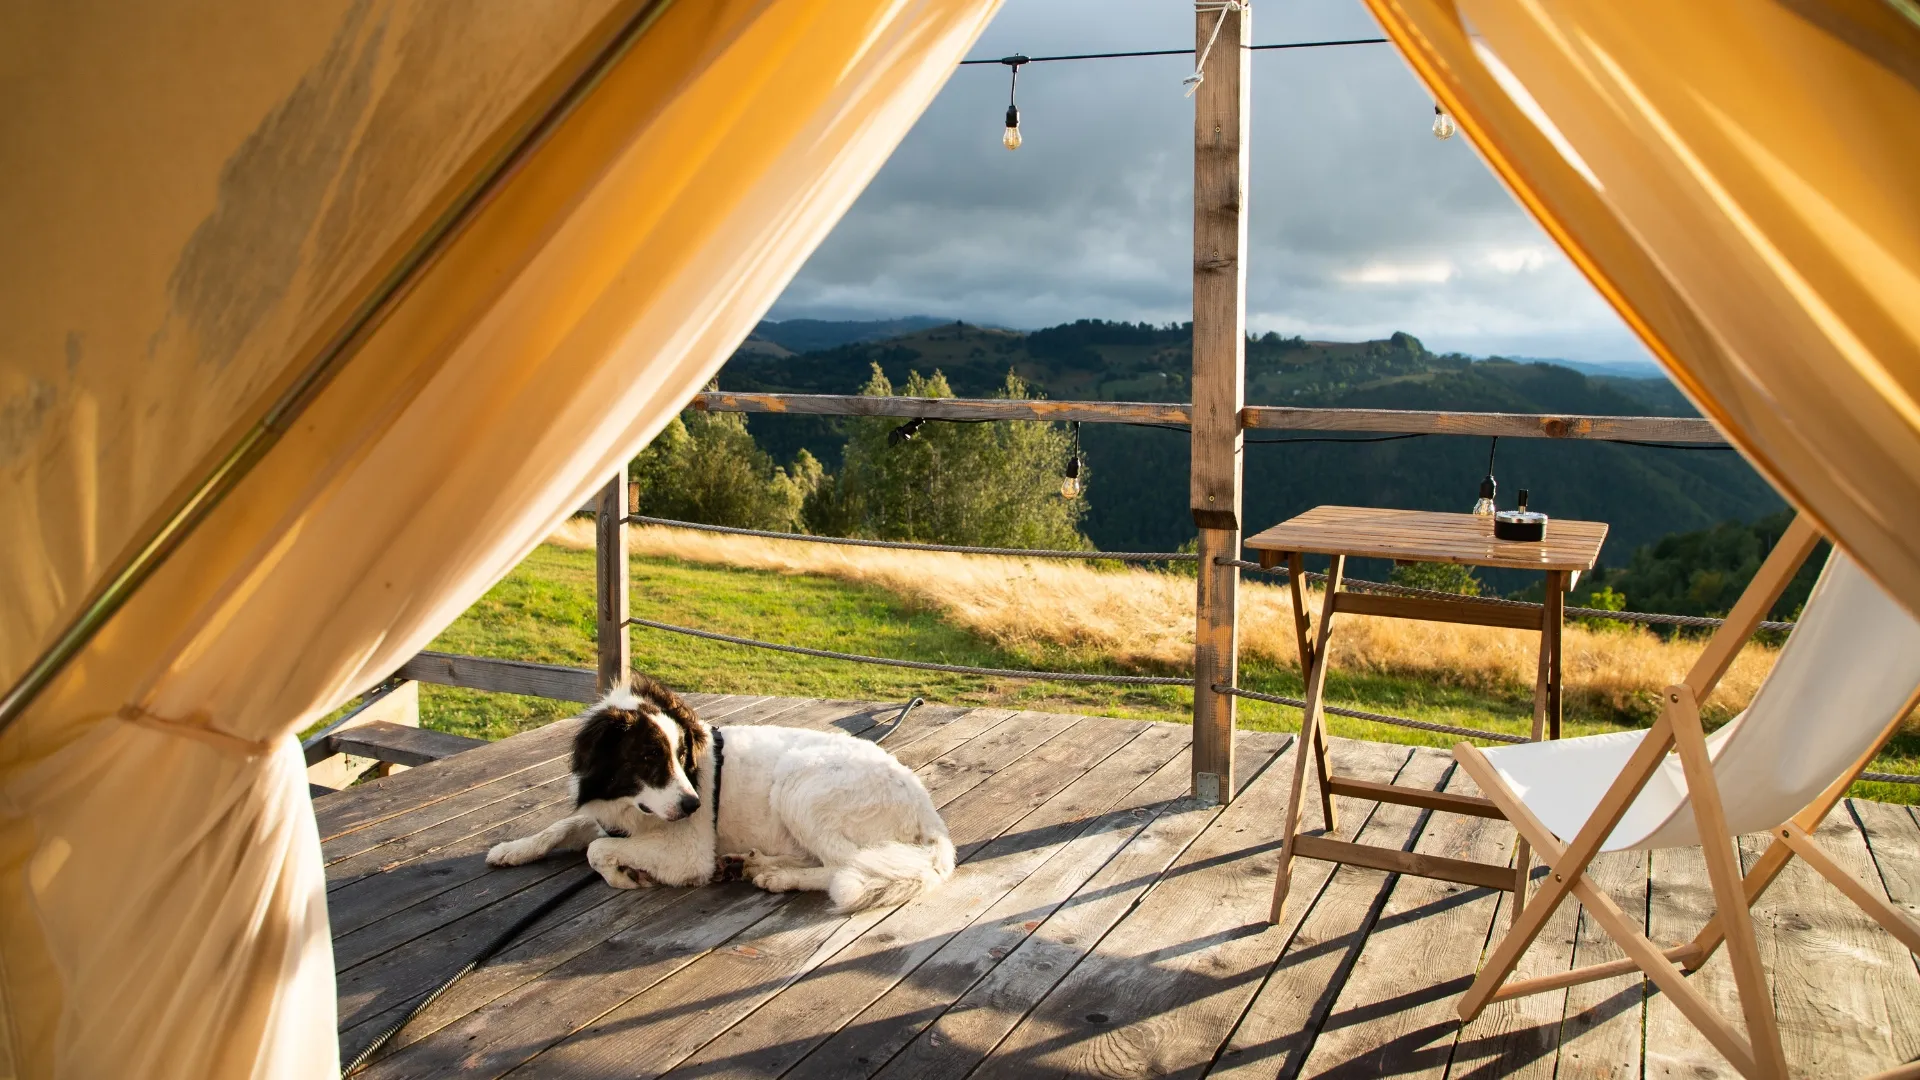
(689, 803)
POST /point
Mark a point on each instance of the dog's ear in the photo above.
(668, 702)
(597, 747)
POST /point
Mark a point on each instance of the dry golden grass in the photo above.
(1144, 619)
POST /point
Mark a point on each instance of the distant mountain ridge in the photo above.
(1137, 477)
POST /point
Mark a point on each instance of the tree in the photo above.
(988, 485)
(705, 467)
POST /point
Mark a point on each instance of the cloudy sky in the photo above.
(1361, 222)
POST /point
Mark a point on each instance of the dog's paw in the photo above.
(606, 860)
(730, 868)
(511, 853)
(775, 881)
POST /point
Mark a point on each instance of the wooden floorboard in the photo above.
(1602, 1022)
(1100, 924)
(519, 1025)
(1395, 1015)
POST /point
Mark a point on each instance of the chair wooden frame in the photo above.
(1679, 728)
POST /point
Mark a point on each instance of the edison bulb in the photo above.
(1070, 488)
(1443, 126)
(1011, 138)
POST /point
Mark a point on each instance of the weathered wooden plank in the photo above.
(1679, 899)
(389, 880)
(372, 992)
(1252, 418)
(1395, 1014)
(1846, 991)
(917, 747)
(519, 1023)
(813, 993)
(1332, 911)
(398, 744)
(1600, 1037)
(952, 774)
(1524, 1036)
(960, 1037)
(504, 676)
(1091, 412)
(1163, 990)
(888, 990)
(1505, 425)
(1893, 835)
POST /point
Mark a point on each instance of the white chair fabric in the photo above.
(1850, 664)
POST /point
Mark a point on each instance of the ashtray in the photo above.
(1522, 525)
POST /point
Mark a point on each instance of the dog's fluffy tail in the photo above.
(891, 873)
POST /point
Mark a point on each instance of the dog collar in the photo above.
(719, 759)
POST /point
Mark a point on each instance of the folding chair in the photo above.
(1849, 673)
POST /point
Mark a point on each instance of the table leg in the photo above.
(1310, 744)
(1336, 571)
(1556, 615)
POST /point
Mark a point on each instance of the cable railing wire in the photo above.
(920, 665)
(1360, 584)
(1129, 680)
(1388, 589)
(1378, 718)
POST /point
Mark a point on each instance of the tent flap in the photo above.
(606, 276)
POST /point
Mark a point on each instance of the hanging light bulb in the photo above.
(1010, 138)
(1070, 486)
(1483, 507)
(1443, 125)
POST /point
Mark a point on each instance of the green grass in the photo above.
(543, 612)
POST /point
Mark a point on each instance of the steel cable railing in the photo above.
(1153, 680)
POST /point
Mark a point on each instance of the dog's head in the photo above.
(641, 743)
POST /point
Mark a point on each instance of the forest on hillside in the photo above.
(1136, 477)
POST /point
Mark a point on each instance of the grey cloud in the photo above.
(1360, 222)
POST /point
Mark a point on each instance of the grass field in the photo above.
(543, 612)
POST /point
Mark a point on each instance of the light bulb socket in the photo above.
(905, 431)
(1073, 467)
(1013, 116)
(1487, 487)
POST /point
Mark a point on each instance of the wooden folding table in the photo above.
(1340, 532)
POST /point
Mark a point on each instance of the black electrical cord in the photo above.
(1179, 52)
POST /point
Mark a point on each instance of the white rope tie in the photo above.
(1193, 81)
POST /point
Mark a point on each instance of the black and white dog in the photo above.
(661, 798)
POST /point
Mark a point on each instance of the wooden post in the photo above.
(1219, 378)
(611, 583)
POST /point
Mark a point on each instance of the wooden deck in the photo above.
(1099, 925)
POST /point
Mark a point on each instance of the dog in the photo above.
(661, 798)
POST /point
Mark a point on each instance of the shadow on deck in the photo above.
(1099, 925)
